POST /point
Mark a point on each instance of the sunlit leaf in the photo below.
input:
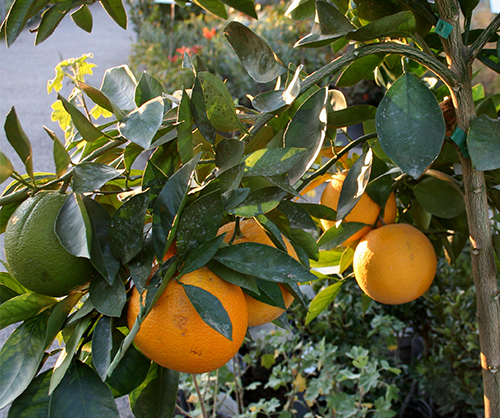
(84, 126)
(89, 176)
(6, 167)
(272, 161)
(322, 300)
(259, 201)
(119, 85)
(400, 24)
(23, 307)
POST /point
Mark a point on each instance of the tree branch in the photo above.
(485, 37)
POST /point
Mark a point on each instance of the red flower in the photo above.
(208, 33)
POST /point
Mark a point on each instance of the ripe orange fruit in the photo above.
(175, 336)
(366, 210)
(33, 251)
(259, 313)
(394, 264)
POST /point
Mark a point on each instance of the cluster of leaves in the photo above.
(174, 166)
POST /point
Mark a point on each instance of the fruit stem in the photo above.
(200, 397)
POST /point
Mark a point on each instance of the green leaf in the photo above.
(354, 184)
(51, 19)
(59, 315)
(84, 126)
(199, 222)
(102, 343)
(23, 307)
(101, 255)
(483, 143)
(228, 154)
(19, 141)
(468, 6)
(219, 104)
(101, 99)
(297, 215)
(82, 394)
(157, 396)
(116, 10)
(62, 159)
(89, 176)
(17, 17)
(213, 6)
(244, 6)
(359, 70)
(210, 310)
(34, 401)
(126, 227)
(9, 281)
(351, 116)
(147, 88)
(83, 18)
(274, 265)
(73, 227)
(301, 9)
(184, 129)
(20, 357)
(439, 198)
(141, 125)
(336, 235)
(259, 201)
(108, 299)
(397, 25)
(322, 300)
(202, 254)
(319, 211)
(258, 58)
(272, 161)
(169, 203)
(118, 85)
(245, 281)
(410, 125)
(307, 130)
(199, 111)
(6, 167)
(65, 359)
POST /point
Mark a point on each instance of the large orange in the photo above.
(259, 313)
(366, 210)
(394, 264)
(175, 336)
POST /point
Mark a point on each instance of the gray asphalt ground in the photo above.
(24, 72)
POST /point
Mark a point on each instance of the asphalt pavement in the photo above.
(24, 72)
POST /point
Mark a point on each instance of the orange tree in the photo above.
(433, 139)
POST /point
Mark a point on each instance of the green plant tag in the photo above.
(459, 137)
(443, 28)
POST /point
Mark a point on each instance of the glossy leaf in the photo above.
(59, 315)
(199, 111)
(274, 265)
(439, 198)
(17, 17)
(202, 254)
(259, 201)
(19, 141)
(400, 24)
(228, 154)
(360, 69)
(301, 9)
(213, 6)
(9, 281)
(272, 161)
(244, 6)
(336, 235)
(108, 299)
(119, 85)
(234, 198)
(62, 159)
(483, 143)
(20, 357)
(116, 10)
(89, 176)
(6, 167)
(322, 299)
(34, 401)
(255, 54)
(147, 88)
(23, 307)
(410, 125)
(73, 227)
(269, 293)
(126, 227)
(319, 211)
(101, 99)
(100, 252)
(51, 19)
(157, 395)
(84, 126)
(102, 343)
(140, 125)
(307, 130)
(83, 18)
(199, 222)
(351, 116)
(297, 215)
(245, 281)
(82, 394)
(210, 310)
(219, 104)
(184, 129)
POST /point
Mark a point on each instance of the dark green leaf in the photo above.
(19, 141)
(88, 176)
(439, 197)
(255, 54)
(119, 85)
(73, 227)
(199, 111)
(126, 227)
(6, 293)
(322, 300)
(62, 159)
(272, 161)
(157, 396)
(297, 215)
(410, 125)
(319, 211)
(307, 130)
(82, 394)
(141, 125)
(19, 14)
(100, 252)
(335, 236)
(34, 401)
(244, 6)
(468, 6)
(102, 343)
(51, 19)
(140, 265)
(84, 126)
(23, 307)
(397, 25)
(9, 281)
(483, 143)
(274, 265)
(269, 293)
(6, 167)
(184, 129)
(301, 9)
(228, 154)
(360, 69)
(101, 99)
(210, 310)
(83, 18)
(351, 116)
(147, 89)
(201, 255)
(245, 281)
(59, 315)
(116, 10)
(354, 184)
(108, 299)
(233, 198)
(213, 6)
(306, 241)
(20, 357)
(259, 201)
